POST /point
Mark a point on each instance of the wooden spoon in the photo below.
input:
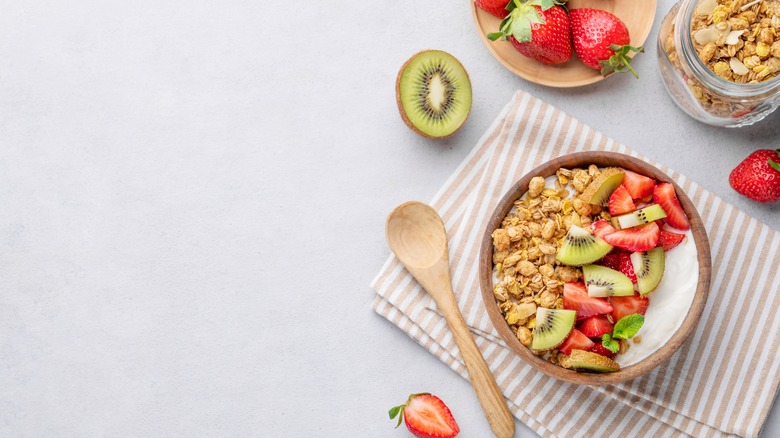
(416, 235)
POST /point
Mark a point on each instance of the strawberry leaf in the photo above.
(628, 326)
(395, 411)
(609, 343)
(620, 61)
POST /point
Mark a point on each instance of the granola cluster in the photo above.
(738, 40)
(525, 246)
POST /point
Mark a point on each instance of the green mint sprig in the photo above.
(626, 328)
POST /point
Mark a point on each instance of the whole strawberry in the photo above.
(758, 176)
(495, 7)
(539, 29)
(601, 40)
(426, 416)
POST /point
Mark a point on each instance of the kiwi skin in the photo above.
(401, 107)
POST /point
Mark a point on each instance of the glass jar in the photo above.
(696, 88)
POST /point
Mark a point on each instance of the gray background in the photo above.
(194, 196)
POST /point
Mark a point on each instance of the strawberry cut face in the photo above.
(638, 186)
(596, 326)
(575, 297)
(641, 238)
(664, 195)
(426, 416)
(624, 306)
(620, 202)
(576, 340)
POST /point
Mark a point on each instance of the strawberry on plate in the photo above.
(620, 201)
(758, 176)
(595, 326)
(602, 350)
(539, 29)
(669, 239)
(495, 7)
(624, 306)
(601, 40)
(664, 195)
(638, 186)
(575, 297)
(641, 238)
(576, 340)
(426, 416)
(621, 262)
(601, 228)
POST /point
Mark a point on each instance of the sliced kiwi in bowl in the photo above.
(605, 282)
(649, 269)
(552, 327)
(433, 92)
(581, 247)
(642, 216)
(601, 188)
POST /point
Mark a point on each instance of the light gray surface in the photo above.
(194, 196)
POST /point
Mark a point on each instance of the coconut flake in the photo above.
(749, 5)
(705, 7)
(733, 37)
(708, 35)
(738, 67)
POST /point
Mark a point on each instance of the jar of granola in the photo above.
(720, 59)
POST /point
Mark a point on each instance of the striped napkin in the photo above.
(721, 382)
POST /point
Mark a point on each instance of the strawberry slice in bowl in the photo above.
(665, 196)
(641, 238)
(575, 297)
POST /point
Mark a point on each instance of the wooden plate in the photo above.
(582, 160)
(637, 14)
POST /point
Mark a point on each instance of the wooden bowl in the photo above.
(638, 15)
(582, 160)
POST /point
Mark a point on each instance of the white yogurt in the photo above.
(669, 303)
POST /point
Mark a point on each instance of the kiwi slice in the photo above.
(601, 188)
(643, 216)
(649, 268)
(581, 247)
(552, 327)
(585, 360)
(433, 92)
(605, 282)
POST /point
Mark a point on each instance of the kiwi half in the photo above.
(580, 247)
(433, 92)
(552, 327)
(649, 268)
(601, 188)
(642, 216)
(585, 360)
(605, 282)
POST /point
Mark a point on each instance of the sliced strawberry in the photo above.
(664, 195)
(576, 340)
(595, 326)
(620, 201)
(426, 416)
(638, 186)
(627, 306)
(601, 228)
(602, 350)
(620, 261)
(641, 238)
(575, 297)
(669, 239)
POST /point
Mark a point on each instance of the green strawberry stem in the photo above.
(521, 15)
(620, 61)
(398, 411)
(774, 164)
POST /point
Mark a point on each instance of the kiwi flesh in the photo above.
(552, 327)
(605, 282)
(642, 216)
(581, 247)
(433, 92)
(649, 269)
(585, 360)
(601, 188)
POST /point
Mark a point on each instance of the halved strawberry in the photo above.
(620, 261)
(628, 305)
(595, 326)
(576, 340)
(641, 238)
(669, 240)
(602, 350)
(601, 228)
(575, 297)
(664, 195)
(426, 416)
(620, 201)
(638, 186)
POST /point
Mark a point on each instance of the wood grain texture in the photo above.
(638, 15)
(602, 159)
(416, 234)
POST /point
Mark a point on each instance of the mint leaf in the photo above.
(609, 343)
(628, 326)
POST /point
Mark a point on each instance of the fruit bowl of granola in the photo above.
(557, 47)
(595, 267)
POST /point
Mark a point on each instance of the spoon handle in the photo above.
(490, 397)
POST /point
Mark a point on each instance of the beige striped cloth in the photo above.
(721, 382)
